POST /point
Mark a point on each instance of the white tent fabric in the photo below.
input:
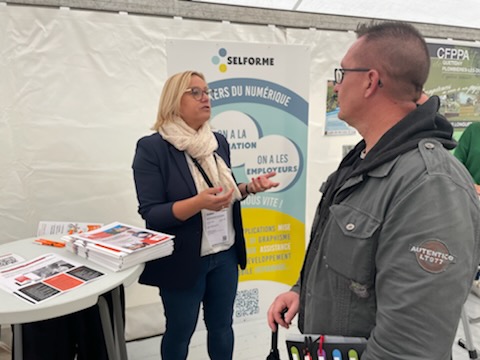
(439, 12)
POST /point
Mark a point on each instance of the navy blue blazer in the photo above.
(162, 177)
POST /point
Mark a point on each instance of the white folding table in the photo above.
(17, 311)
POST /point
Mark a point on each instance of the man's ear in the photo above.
(374, 82)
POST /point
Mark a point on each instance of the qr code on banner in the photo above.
(247, 303)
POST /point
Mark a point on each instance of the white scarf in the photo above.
(201, 145)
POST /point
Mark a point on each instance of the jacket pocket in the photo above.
(351, 244)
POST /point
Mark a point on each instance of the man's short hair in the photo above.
(399, 52)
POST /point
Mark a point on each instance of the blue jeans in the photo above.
(216, 288)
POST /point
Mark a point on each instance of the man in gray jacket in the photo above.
(395, 242)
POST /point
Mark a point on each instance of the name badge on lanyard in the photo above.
(216, 228)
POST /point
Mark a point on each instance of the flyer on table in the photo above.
(45, 277)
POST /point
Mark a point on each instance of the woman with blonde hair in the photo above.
(185, 187)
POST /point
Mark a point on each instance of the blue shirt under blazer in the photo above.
(162, 177)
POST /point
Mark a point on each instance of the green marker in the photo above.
(295, 353)
(352, 355)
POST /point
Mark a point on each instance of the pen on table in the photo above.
(50, 242)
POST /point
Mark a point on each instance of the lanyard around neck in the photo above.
(204, 174)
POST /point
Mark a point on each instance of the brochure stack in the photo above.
(118, 246)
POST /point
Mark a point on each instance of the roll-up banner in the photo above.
(260, 104)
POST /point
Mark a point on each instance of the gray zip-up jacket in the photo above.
(395, 245)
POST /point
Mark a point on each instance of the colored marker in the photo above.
(320, 352)
(337, 355)
(322, 355)
(295, 353)
(352, 355)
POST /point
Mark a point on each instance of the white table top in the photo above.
(16, 311)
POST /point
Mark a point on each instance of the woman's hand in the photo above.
(262, 183)
(213, 199)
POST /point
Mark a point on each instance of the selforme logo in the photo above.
(222, 60)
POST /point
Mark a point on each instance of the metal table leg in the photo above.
(17, 342)
(118, 324)
(468, 343)
(107, 328)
